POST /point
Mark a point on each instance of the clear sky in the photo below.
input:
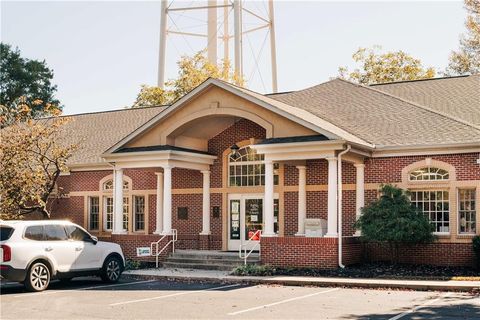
(101, 52)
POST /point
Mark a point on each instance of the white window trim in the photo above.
(89, 213)
(134, 216)
(439, 233)
(458, 211)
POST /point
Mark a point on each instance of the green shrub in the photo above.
(394, 220)
(132, 265)
(476, 249)
(254, 270)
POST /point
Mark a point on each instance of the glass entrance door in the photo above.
(245, 219)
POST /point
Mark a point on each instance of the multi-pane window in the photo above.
(435, 205)
(429, 174)
(108, 223)
(126, 209)
(93, 212)
(139, 212)
(466, 211)
(247, 168)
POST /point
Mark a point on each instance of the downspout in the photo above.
(339, 205)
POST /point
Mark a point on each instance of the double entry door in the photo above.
(245, 218)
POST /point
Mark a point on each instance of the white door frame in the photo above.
(234, 245)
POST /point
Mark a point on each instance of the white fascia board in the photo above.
(291, 147)
(434, 149)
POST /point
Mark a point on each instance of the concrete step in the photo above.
(211, 255)
(178, 265)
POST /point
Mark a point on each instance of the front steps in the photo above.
(207, 260)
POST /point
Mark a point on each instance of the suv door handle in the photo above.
(48, 249)
(78, 249)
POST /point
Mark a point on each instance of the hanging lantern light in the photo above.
(234, 151)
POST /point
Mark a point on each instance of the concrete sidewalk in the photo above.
(225, 277)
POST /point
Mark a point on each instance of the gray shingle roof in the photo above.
(456, 96)
(99, 131)
(378, 117)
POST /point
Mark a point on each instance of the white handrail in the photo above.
(244, 246)
(157, 252)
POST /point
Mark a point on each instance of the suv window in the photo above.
(77, 234)
(34, 233)
(55, 232)
(5, 233)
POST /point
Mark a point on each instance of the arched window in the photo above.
(428, 174)
(108, 185)
(247, 168)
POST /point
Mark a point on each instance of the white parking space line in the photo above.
(80, 289)
(172, 295)
(282, 301)
(428, 303)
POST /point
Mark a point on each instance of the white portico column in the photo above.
(159, 207)
(268, 206)
(118, 202)
(167, 200)
(206, 203)
(302, 199)
(360, 191)
(332, 230)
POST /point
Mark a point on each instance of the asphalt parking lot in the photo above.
(151, 299)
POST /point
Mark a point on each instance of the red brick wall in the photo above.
(68, 208)
(382, 170)
(442, 254)
(242, 130)
(130, 243)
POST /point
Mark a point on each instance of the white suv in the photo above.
(34, 252)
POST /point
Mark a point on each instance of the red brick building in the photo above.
(224, 163)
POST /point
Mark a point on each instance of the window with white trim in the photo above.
(93, 212)
(247, 168)
(466, 211)
(428, 174)
(139, 213)
(108, 216)
(435, 205)
(126, 211)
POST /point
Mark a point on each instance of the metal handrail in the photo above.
(244, 246)
(157, 252)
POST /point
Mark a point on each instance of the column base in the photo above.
(119, 232)
(166, 233)
(299, 234)
(205, 233)
(269, 235)
(159, 232)
(331, 235)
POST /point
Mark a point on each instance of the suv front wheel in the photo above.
(112, 269)
(38, 277)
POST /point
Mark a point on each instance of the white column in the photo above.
(118, 202)
(268, 205)
(206, 203)
(159, 208)
(360, 191)
(167, 200)
(332, 229)
(302, 199)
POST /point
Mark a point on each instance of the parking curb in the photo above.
(463, 286)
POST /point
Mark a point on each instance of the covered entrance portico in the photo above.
(166, 158)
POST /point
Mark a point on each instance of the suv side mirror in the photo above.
(94, 239)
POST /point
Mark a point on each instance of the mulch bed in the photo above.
(384, 271)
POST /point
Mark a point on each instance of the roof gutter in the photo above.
(339, 205)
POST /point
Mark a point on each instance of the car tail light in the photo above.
(7, 253)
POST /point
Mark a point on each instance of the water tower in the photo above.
(224, 22)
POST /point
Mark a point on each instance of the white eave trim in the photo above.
(432, 149)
